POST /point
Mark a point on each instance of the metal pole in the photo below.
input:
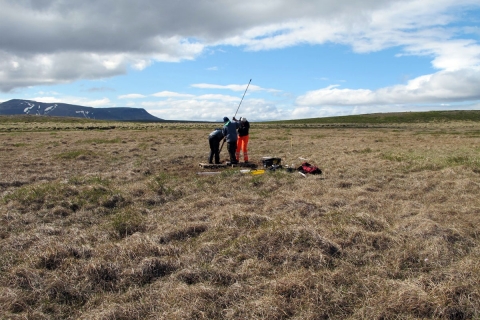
(237, 111)
(242, 98)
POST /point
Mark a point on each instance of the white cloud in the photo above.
(132, 96)
(170, 94)
(312, 112)
(46, 69)
(41, 39)
(211, 107)
(331, 95)
(46, 99)
(186, 109)
(54, 42)
(233, 87)
(453, 86)
(104, 102)
(208, 108)
(218, 97)
(419, 27)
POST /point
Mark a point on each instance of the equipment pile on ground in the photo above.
(269, 164)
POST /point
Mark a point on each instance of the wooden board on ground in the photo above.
(224, 165)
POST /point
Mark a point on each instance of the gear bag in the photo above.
(308, 168)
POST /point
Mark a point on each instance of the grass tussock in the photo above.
(117, 224)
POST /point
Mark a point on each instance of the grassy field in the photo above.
(112, 221)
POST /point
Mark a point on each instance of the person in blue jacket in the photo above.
(214, 139)
(230, 133)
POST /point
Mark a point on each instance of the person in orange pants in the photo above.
(242, 142)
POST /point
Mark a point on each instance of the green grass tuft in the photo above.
(128, 222)
(100, 141)
(76, 154)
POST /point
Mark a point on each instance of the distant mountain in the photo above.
(17, 106)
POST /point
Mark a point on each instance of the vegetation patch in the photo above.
(100, 141)
(76, 154)
(90, 180)
(128, 222)
(150, 269)
(183, 233)
(37, 195)
(18, 145)
(417, 161)
(388, 231)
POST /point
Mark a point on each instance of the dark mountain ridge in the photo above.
(30, 107)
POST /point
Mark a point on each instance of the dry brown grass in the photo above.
(116, 224)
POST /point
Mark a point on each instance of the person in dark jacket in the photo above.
(214, 139)
(242, 141)
(230, 133)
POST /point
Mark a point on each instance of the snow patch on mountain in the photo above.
(48, 109)
(29, 108)
(85, 113)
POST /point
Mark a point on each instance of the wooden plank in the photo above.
(247, 165)
(209, 173)
(224, 165)
(212, 166)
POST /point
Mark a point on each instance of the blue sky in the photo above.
(189, 60)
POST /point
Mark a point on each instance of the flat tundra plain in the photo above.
(114, 222)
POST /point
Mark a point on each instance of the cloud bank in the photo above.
(58, 41)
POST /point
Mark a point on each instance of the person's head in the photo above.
(243, 119)
(225, 119)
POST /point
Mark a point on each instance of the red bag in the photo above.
(308, 168)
